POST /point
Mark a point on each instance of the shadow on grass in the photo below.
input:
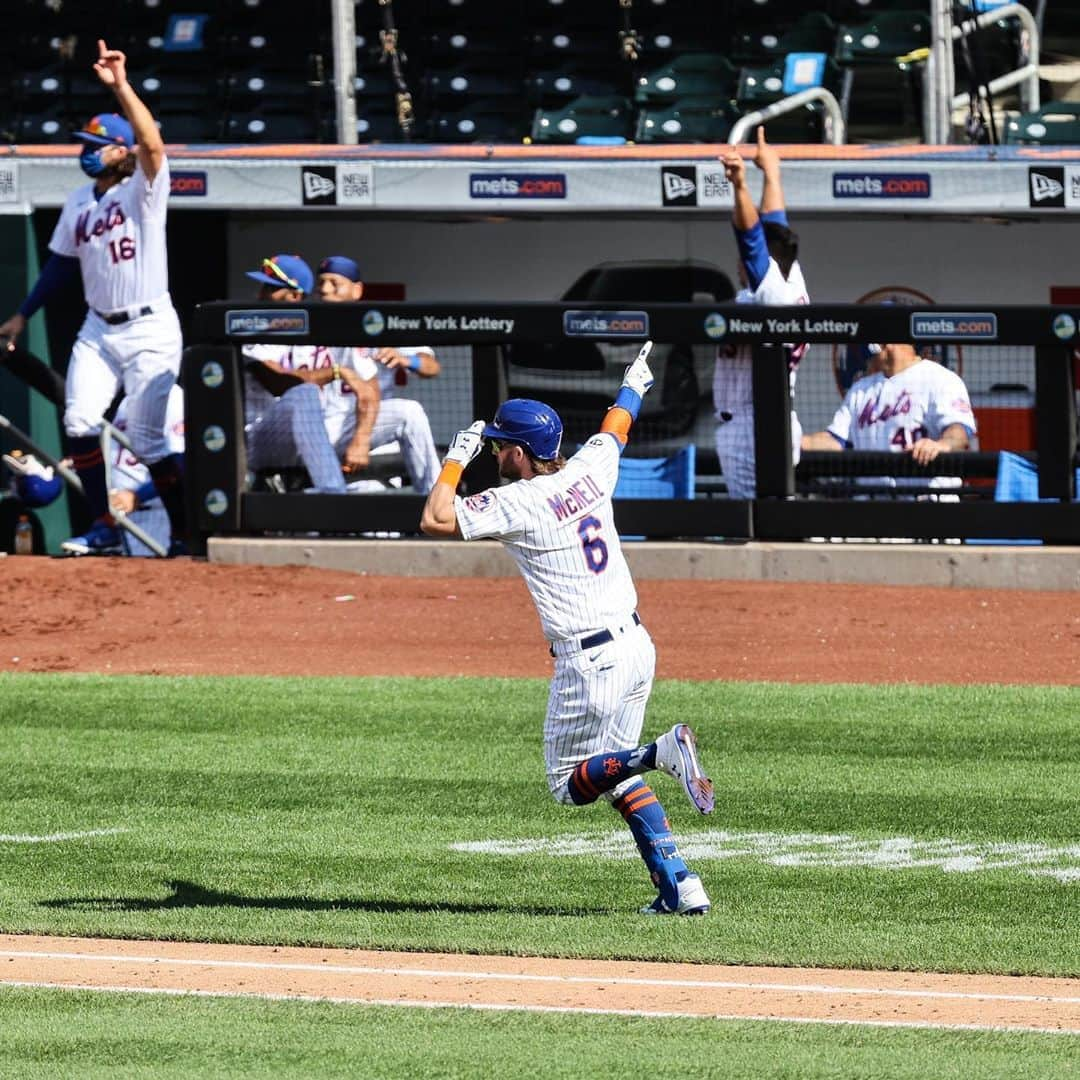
(186, 894)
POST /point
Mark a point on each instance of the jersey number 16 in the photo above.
(122, 249)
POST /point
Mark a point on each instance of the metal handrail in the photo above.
(939, 83)
(1026, 76)
(835, 126)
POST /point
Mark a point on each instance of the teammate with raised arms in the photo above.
(113, 230)
(557, 522)
(769, 273)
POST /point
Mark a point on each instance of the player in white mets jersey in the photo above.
(396, 419)
(769, 272)
(557, 522)
(910, 405)
(113, 230)
(286, 387)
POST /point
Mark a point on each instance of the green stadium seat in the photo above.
(690, 75)
(607, 116)
(1055, 124)
(814, 32)
(692, 119)
(884, 37)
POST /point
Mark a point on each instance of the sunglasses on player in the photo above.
(270, 267)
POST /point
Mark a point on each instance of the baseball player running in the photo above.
(909, 405)
(113, 230)
(557, 522)
(769, 272)
(396, 419)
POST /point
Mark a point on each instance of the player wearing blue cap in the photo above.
(399, 420)
(287, 384)
(556, 520)
(113, 230)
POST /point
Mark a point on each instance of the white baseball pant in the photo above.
(291, 432)
(597, 702)
(735, 449)
(404, 421)
(143, 356)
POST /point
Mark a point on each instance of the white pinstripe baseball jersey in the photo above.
(119, 240)
(732, 382)
(880, 413)
(560, 530)
(338, 400)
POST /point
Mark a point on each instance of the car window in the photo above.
(649, 284)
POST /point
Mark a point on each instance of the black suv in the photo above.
(580, 378)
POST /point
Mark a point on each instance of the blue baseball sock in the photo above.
(648, 823)
(602, 772)
(85, 451)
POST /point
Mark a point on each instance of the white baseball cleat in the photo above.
(693, 900)
(676, 753)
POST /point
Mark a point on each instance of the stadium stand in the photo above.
(487, 71)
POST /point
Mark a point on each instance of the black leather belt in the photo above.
(118, 318)
(601, 637)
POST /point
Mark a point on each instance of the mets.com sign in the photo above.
(517, 185)
(954, 326)
(634, 324)
(260, 321)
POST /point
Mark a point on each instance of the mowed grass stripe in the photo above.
(44, 1032)
(320, 812)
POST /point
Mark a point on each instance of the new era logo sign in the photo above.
(318, 185)
(678, 185)
(1046, 186)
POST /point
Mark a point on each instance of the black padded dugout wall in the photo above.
(214, 473)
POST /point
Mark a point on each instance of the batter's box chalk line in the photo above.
(58, 837)
(824, 850)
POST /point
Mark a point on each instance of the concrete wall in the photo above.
(943, 565)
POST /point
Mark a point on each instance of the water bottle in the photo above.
(24, 536)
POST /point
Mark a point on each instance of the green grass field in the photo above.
(45, 1034)
(919, 828)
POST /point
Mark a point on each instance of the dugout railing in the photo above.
(221, 504)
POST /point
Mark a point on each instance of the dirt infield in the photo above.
(192, 618)
(539, 985)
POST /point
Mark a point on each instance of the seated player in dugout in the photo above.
(908, 404)
(340, 280)
(399, 420)
(287, 418)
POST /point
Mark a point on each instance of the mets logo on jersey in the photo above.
(479, 503)
(852, 362)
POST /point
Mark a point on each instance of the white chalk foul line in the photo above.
(499, 976)
(57, 837)
(809, 850)
(1003, 1029)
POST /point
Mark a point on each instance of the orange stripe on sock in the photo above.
(581, 777)
(639, 805)
(638, 794)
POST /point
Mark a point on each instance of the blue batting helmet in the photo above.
(532, 424)
(37, 491)
(36, 484)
